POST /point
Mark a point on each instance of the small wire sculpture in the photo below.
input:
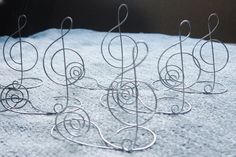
(210, 66)
(205, 64)
(15, 96)
(18, 64)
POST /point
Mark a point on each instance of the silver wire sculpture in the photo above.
(72, 123)
(175, 77)
(171, 70)
(17, 63)
(206, 64)
(73, 67)
(123, 61)
(125, 101)
(15, 96)
(211, 66)
(125, 94)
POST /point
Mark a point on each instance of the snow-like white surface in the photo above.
(208, 130)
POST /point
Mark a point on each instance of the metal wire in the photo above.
(203, 64)
(172, 74)
(72, 71)
(15, 96)
(106, 47)
(18, 65)
(210, 67)
(73, 123)
(123, 95)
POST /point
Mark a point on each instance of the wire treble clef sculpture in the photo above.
(124, 95)
(73, 68)
(173, 76)
(17, 63)
(72, 122)
(15, 96)
(209, 64)
(118, 59)
(125, 103)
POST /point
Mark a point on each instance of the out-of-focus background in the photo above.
(154, 16)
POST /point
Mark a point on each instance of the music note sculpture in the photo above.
(207, 57)
(211, 60)
(125, 95)
(194, 80)
(72, 63)
(113, 49)
(72, 123)
(15, 96)
(14, 55)
(173, 74)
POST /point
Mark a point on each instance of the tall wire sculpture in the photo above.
(18, 63)
(172, 73)
(72, 123)
(125, 95)
(15, 96)
(209, 64)
(116, 57)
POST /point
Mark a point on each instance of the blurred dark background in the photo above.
(158, 16)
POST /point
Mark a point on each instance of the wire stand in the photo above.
(15, 96)
(172, 74)
(208, 63)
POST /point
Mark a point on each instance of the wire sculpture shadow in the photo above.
(15, 96)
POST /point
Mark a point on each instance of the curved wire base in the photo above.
(199, 87)
(173, 106)
(74, 125)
